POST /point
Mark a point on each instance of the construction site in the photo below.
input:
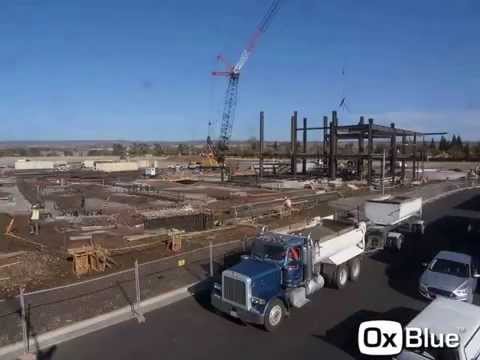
(59, 225)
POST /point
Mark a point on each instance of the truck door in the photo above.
(294, 267)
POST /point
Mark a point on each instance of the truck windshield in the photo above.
(268, 251)
(450, 267)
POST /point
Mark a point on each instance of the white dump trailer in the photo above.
(392, 210)
(336, 242)
(391, 219)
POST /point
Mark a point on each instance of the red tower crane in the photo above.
(232, 73)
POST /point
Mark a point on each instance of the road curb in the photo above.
(66, 333)
(448, 193)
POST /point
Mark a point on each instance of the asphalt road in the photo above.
(323, 329)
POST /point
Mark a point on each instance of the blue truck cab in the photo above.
(283, 270)
(256, 290)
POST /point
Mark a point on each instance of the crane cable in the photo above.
(343, 105)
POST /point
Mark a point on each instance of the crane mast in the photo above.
(233, 75)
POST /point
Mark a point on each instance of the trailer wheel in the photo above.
(274, 315)
(354, 267)
(341, 277)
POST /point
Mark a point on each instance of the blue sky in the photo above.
(140, 70)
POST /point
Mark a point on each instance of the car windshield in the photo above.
(449, 267)
(268, 251)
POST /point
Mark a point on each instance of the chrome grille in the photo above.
(234, 290)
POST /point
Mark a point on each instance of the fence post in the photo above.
(24, 322)
(210, 245)
(138, 312)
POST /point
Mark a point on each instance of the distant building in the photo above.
(116, 166)
(26, 164)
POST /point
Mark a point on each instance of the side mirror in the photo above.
(424, 264)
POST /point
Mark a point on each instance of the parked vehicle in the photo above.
(444, 316)
(392, 220)
(450, 274)
(282, 271)
(150, 172)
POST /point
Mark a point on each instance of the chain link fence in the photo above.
(48, 309)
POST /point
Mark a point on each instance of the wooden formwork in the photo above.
(90, 258)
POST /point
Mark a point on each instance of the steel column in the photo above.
(332, 168)
(393, 155)
(360, 150)
(325, 141)
(414, 160)
(262, 140)
(404, 151)
(304, 160)
(370, 151)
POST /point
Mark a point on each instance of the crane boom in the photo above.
(233, 75)
(261, 28)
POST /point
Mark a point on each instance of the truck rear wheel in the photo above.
(274, 315)
(341, 277)
(354, 267)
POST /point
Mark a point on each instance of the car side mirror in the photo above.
(424, 264)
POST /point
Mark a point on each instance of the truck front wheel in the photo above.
(354, 267)
(274, 315)
(341, 277)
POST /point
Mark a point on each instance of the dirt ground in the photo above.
(51, 266)
(31, 270)
(116, 226)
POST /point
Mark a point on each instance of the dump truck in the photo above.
(391, 220)
(284, 270)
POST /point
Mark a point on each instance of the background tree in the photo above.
(158, 150)
(182, 149)
(118, 150)
(443, 146)
(453, 142)
(253, 144)
(466, 151)
(138, 149)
